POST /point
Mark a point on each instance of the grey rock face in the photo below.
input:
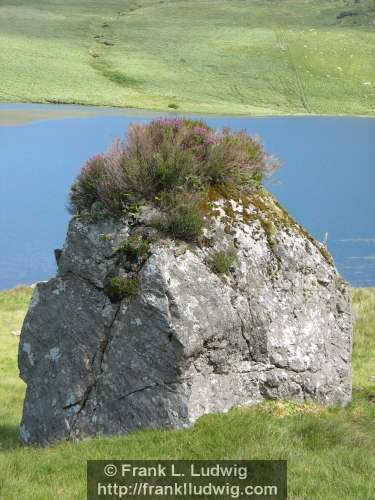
(191, 341)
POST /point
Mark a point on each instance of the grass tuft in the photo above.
(184, 222)
(223, 260)
(117, 288)
(134, 247)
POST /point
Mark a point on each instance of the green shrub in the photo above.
(134, 247)
(117, 288)
(184, 223)
(223, 260)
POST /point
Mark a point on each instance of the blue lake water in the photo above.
(327, 180)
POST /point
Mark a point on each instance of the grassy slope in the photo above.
(226, 56)
(331, 452)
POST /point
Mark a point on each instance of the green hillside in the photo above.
(330, 451)
(220, 56)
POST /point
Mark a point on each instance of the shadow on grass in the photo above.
(9, 437)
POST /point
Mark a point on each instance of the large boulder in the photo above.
(190, 341)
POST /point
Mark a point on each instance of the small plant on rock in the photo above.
(134, 247)
(117, 288)
(223, 260)
(183, 223)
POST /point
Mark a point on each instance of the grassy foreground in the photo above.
(221, 56)
(330, 451)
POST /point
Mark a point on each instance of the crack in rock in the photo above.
(103, 348)
(165, 385)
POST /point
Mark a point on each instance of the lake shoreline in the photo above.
(165, 110)
(13, 114)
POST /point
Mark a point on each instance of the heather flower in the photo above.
(165, 159)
